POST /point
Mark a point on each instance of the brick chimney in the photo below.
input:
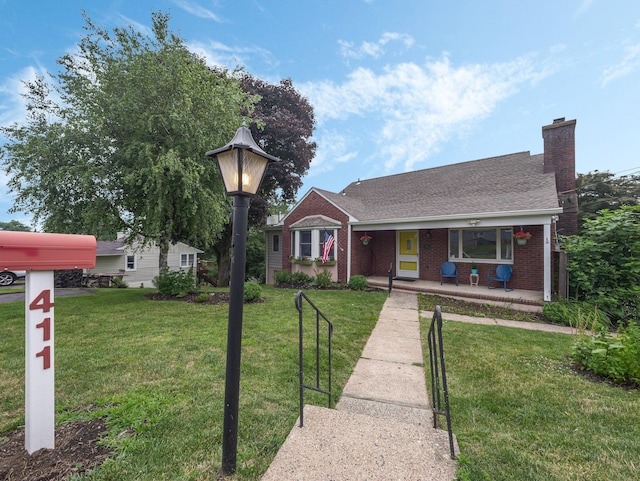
(560, 158)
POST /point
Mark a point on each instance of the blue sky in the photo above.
(397, 85)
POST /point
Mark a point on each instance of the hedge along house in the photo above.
(464, 213)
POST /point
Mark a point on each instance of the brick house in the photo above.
(464, 213)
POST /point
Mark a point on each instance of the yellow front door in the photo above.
(407, 264)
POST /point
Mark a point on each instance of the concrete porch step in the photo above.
(516, 299)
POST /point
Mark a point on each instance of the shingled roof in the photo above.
(508, 183)
(107, 248)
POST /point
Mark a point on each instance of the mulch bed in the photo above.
(216, 298)
(76, 451)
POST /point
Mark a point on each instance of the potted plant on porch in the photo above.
(474, 268)
(365, 239)
(522, 237)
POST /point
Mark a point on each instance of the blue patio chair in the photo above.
(448, 269)
(502, 273)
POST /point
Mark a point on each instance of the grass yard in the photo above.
(521, 413)
(156, 369)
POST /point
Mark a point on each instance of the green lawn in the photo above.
(158, 368)
(520, 413)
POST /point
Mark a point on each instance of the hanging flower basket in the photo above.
(522, 237)
(365, 239)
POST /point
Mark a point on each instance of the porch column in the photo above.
(349, 232)
(547, 262)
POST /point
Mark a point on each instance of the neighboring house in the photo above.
(273, 246)
(463, 213)
(138, 264)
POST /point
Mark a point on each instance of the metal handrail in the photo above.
(439, 375)
(319, 315)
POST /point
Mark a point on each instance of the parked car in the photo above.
(9, 277)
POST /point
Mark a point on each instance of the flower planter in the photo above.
(474, 271)
(302, 262)
(326, 264)
(522, 237)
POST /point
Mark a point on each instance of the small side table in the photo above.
(473, 279)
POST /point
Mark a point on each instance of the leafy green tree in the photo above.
(603, 190)
(282, 124)
(604, 262)
(255, 254)
(123, 148)
(15, 226)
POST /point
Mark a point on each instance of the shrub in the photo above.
(323, 279)
(174, 283)
(604, 262)
(614, 357)
(575, 314)
(358, 282)
(202, 297)
(252, 291)
(282, 277)
(117, 282)
(296, 279)
(300, 279)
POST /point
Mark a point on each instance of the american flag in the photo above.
(328, 244)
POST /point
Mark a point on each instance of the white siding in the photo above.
(273, 258)
(146, 263)
(108, 265)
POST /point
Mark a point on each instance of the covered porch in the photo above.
(517, 299)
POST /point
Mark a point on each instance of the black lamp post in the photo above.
(242, 165)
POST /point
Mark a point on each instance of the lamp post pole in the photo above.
(234, 334)
(242, 164)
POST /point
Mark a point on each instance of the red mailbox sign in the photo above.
(34, 251)
(39, 255)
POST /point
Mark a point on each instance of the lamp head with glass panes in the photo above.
(242, 163)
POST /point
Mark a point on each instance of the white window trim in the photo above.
(190, 260)
(470, 260)
(126, 262)
(315, 241)
(273, 243)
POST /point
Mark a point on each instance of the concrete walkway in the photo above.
(490, 321)
(19, 296)
(382, 426)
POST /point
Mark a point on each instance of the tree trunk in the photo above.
(222, 250)
(163, 258)
(224, 268)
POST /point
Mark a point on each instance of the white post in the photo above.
(39, 377)
(547, 263)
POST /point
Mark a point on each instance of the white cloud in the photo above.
(333, 149)
(373, 49)
(434, 101)
(584, 6)
(137, 26)
(629, 63)
(197, 10)
(12, 103)
(218, 53)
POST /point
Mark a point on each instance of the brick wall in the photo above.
(315, 204)
(560, 158)
(373, 259)
(528, 266)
